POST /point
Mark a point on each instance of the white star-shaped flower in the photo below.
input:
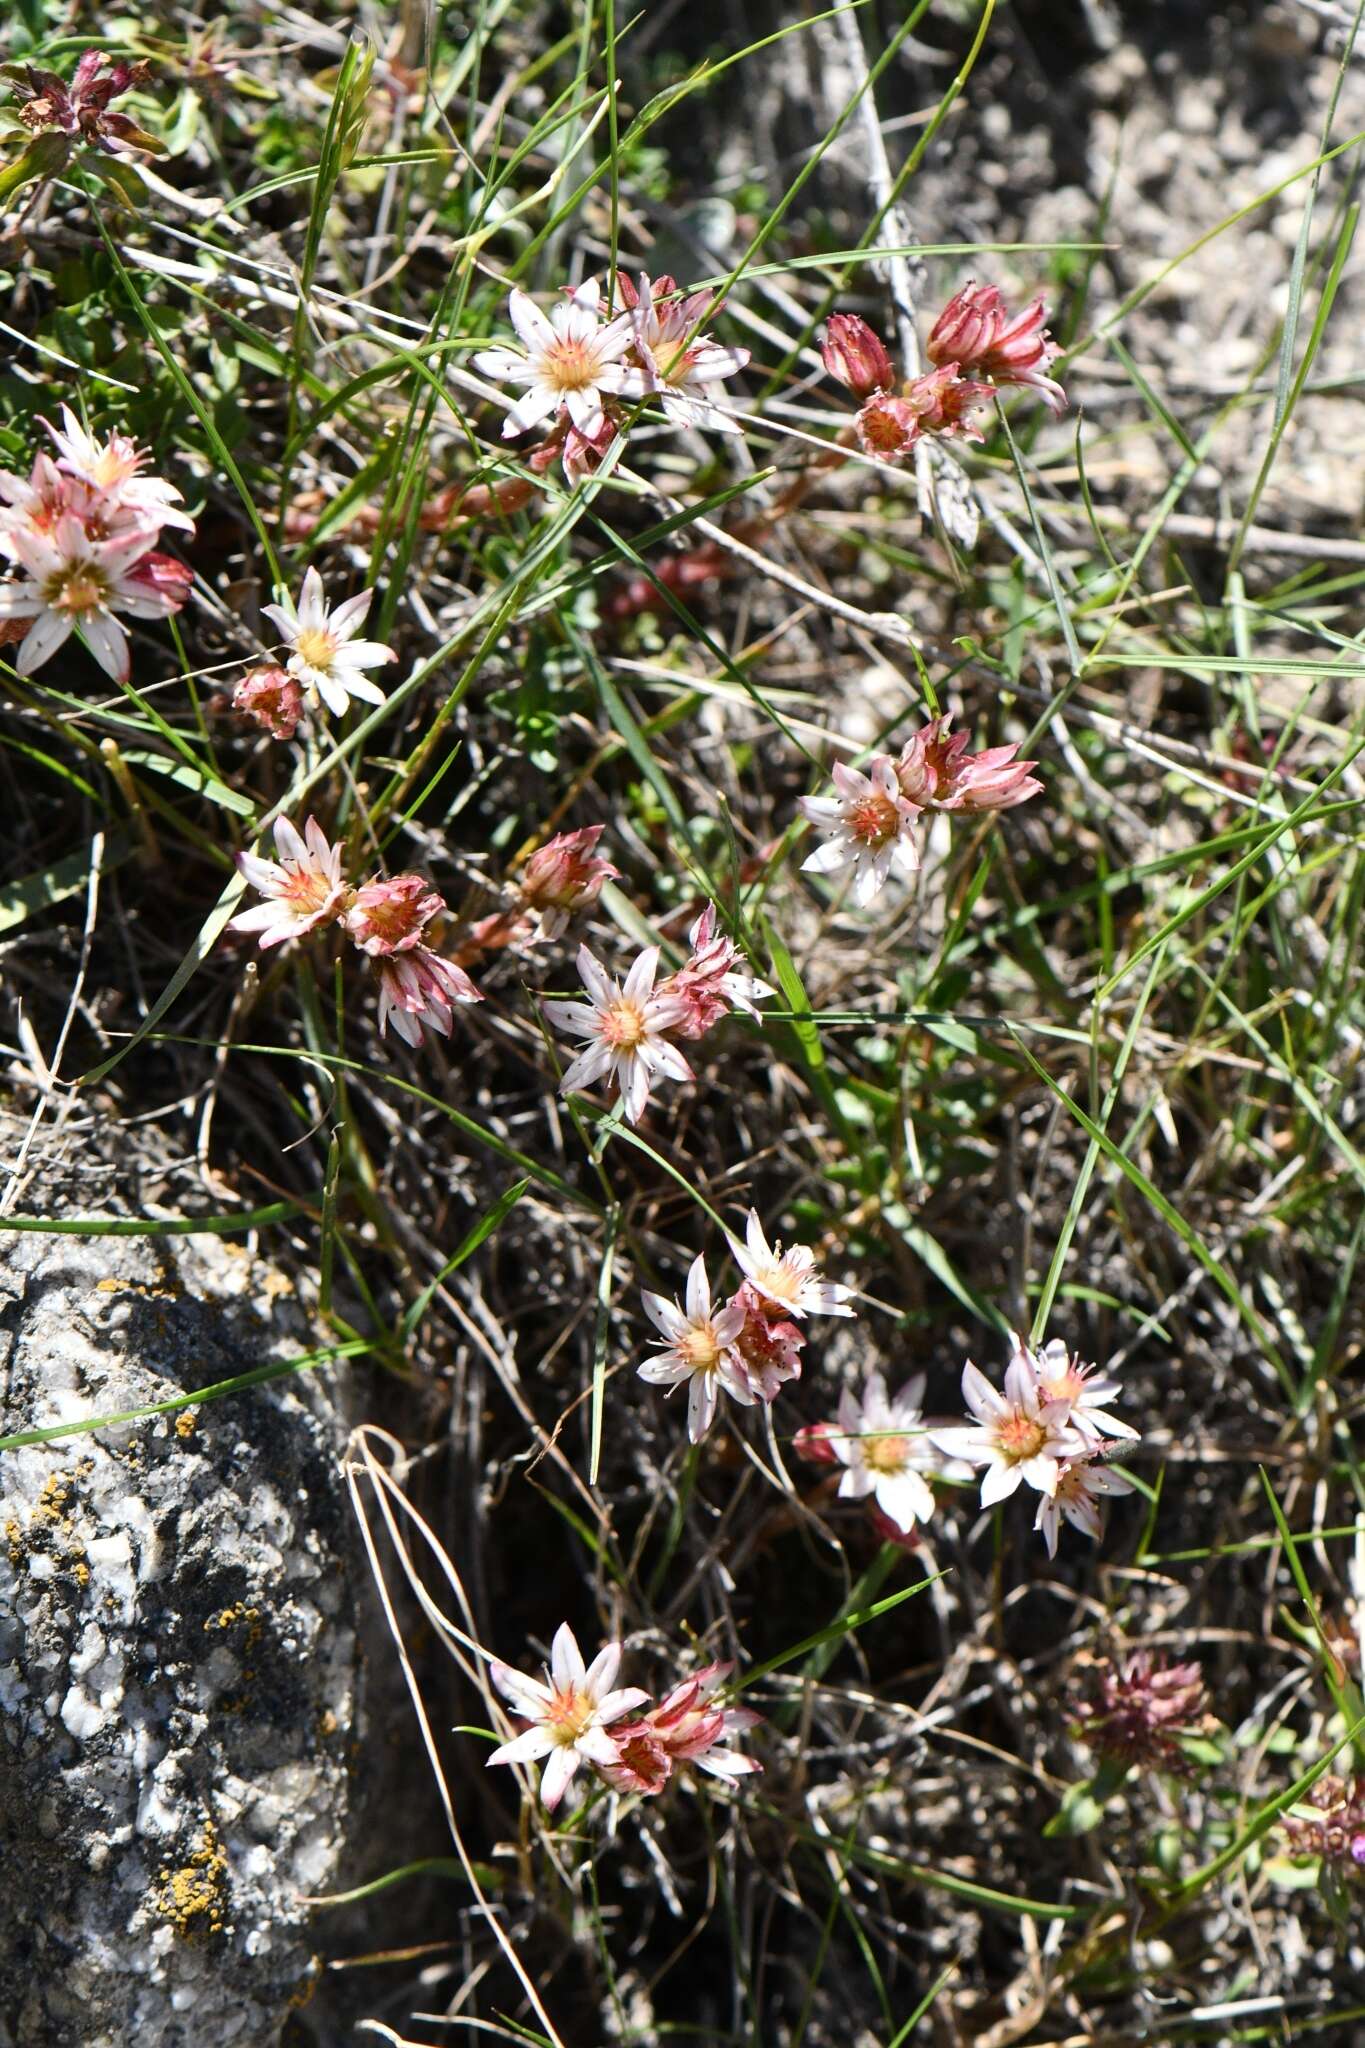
(325, 655)
(627, 1028)
(570, 358)
(869, 825)
(700, 1351)
(570, 1711)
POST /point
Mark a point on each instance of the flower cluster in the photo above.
(1138, 1709)
(886, 1452)
(576, 1717)
(1329, 1823)
(630, 1026)
(326, 663)
(750, 1347)
(1047, 1430)
(82, 529)
(974, 349)
(976, 335)
(869, 822)
(564, 876)
(577, 367)
(385, 918)
(80, 110)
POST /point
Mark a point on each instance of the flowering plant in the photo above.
(576, 1716)
(579, 367)
(60, 117)
(385, 919)
(82, 530)
(974, 350)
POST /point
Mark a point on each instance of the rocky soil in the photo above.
(179, 1660)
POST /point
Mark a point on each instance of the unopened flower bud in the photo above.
(814, 1443)
(563, 876)
(854, 356)
(944, 402)
(887, 428)
(976, 332)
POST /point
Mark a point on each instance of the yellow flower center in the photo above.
(569, 1714)
(699, 1348)
(1020, 1437)
(80, 588)
(305, 890)
(673, 361)
(778, 1281)
(886, 1453)
(571, 365)
(113, 467)
(316, 646)
(624, 1025)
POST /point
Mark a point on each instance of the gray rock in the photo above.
(178, 1655)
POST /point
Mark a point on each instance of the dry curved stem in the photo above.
(363, 1462)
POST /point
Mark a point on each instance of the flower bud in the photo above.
(565, 875)
(943, 401)
(976, 333)
(391, 913)
(935, 771)
(854, 356)
(814, 1444)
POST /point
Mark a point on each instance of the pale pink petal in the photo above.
(587, 1068)
(579, 1018)
(701, 1405)
(284, 619)
(597, 1746)
(558, 1771)
(999, 1481)
(640, 980)
(601, 1673)
(361, 654)
(980, 1396)
(42, 640)
(312, 609)
(528, 1695)
(613, 1705)
(525, 1748)
(594, 977)
(540, 401)
(108, 642)
(665, 1315)
(566, 1659)
(349, 616)
(530, 323)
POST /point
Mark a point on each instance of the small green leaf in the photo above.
(198, 780)
(121, 179)
(485, 1875)
(43, 158)
(22, 899)
(1083, 1805)
(1200, 1750)
(1078, 1813)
